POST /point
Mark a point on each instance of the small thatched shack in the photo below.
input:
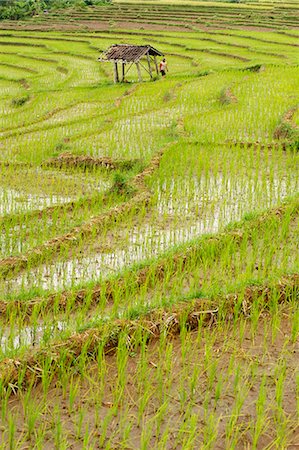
(127, 55)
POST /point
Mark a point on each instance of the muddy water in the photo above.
(16, 200)
(43, 332)
(29, 336)
(217, 201)
(183, 212)
(13, 201)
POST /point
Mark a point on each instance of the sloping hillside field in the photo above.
(149, 244)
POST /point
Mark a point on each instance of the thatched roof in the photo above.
(128, 53)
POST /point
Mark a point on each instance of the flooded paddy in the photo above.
(14, 338)
(23, 190)
(205, 206)
(13, 201)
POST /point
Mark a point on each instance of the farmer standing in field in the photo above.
(163, 67)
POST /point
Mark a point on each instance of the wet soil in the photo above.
(255, 356)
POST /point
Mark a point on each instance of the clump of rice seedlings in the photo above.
(287, 131)
(20, 101)
(226, 97)
(120, 185)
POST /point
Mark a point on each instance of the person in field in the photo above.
(163, 67)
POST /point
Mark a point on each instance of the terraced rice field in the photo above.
(149, 263)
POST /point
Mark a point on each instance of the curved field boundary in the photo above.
(199, 38)
(16, 66)
(44, 38)
(22, 81)
(287, 129)
(267, 17)
(22, 44)
(254, 38)
(201, 50)
(40, 254)
(16, 131)
(242, 46)
(13, 132)
(214, 52)
(18, 373)
(17, 219)
(108, 125)
(43, 252)
(258, 145)
(232, 44)
(75, 55)
(151, 273)
(32, 58)
(285, 33)
(178, 55)
(17, 164)
(68, 159)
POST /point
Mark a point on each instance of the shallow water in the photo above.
(216, 201)
(13, 201)
(29, 336)
(204, 206)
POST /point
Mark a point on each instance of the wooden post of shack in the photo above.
(156, 64)
(149, 65)
(139, 71)
(116, 78)
(123, 66)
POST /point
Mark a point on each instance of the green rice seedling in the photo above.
(260, 424)
(295, 326)
(11, 432)
(218, 390)
(32, 414)
(276, 320)
(40, 436)
(160, 415)
(73, 393)
(122, 361)
(46, 375)
(190, 440)
(193, 383)
(210, 431)
(126, 434)
(105, 427)
(162, 442)
(146, 435)
(279, 389)
(79, 422)
(232, 429)
(144, 399)
(5, 395)
(58, 434)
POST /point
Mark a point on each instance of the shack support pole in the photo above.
(123, 71)
(139, 71)
(116, 78)
(149, 65)
(156, 64)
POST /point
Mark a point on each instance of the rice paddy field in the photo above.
(149, 244)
